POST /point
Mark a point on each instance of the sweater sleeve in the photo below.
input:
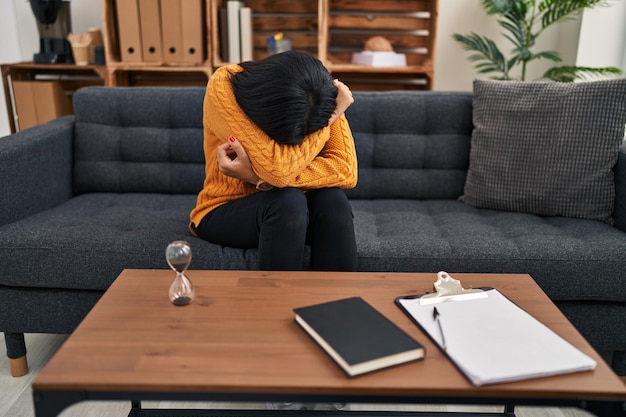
(275, 163)
(336, 165)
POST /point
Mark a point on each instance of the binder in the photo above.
(172, 30)
(245, 21)
(25, 104)
(192, 42)
(38, 102)
(51, 101)
(150, 24)
(489, 338)
(234, 30)
(129, 32)
(223, 33)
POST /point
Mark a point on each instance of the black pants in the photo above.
(281, 221)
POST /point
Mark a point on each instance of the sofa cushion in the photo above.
(411, 144)
(148, 139)
(569, 258)
(86, 242)
(546, 148)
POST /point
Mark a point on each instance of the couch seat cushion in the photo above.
(86, 242)
(571, 259)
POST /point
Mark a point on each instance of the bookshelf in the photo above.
(298, 20)
(331, 30)
(410, 26)
(164, 72)
(334, 29)
(68, 77)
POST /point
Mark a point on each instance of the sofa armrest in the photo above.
(36, 169)
(620, 189)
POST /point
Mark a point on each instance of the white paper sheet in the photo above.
(492, 340)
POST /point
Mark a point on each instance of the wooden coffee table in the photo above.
(238, 341)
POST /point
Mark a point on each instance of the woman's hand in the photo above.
(344, 100)
(233, 161)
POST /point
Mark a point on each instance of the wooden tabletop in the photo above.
(239, 337)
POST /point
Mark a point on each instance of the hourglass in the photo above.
(178, 256)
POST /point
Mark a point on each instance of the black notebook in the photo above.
(357, 336)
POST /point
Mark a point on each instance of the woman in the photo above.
(278, 152)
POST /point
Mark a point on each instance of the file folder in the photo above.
(25, 104)
(129, 30)
(245, 22)
(234, 30)
(150, 24)
(193, 38)
(488, 337)
(38, 102)
(172, 29)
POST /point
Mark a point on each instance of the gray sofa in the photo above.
(88, 195)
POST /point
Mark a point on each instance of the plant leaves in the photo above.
(569, 73)
(522, 22)
(487, 51)
(553, 11)
(497, 6)
(549, 55)
(517, 34)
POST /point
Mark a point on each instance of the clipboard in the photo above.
(488, 337)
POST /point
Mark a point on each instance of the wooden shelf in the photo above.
(71, 77)
(331, 30)
(409, 25)
(130, 73)
(412, 69)
(26, 69)
(297, 20)
(126, 76)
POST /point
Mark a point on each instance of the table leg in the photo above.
(51, 404)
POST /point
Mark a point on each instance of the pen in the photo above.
(437, 318)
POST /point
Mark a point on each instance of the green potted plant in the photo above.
(523, 21)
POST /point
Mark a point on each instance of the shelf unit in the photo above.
(120, 73)
(143, 76)
(298, 20)
(410, 26)
(331, 30)
(70, 77)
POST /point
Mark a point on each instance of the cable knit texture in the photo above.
(325, 158)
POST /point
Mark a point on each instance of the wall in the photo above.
(453, 71)
(602, 37)
(601, 32)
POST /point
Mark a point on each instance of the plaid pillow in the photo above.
(546, 148)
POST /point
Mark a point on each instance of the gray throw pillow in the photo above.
(546, 148)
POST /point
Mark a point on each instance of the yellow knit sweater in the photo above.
(326, 158)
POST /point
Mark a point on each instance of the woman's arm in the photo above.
(232, 160)
(344, 100)
(275, 163)
(336, 165)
